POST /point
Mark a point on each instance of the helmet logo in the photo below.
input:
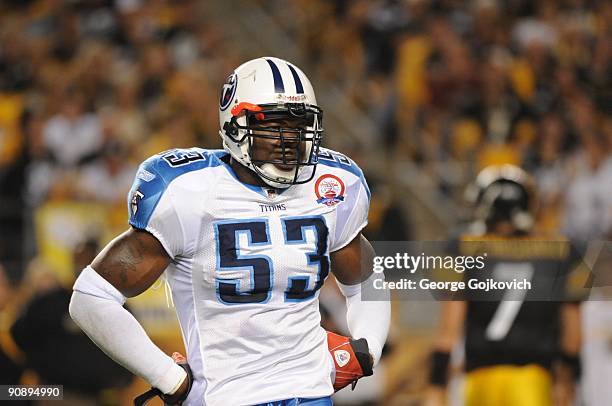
(329, 190)
(228, 91)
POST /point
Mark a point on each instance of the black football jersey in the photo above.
(518, 326)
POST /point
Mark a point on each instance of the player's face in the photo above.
(284, 148)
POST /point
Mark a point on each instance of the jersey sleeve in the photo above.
(352, 214)
(151, 207)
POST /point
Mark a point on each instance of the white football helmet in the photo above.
(270, 89)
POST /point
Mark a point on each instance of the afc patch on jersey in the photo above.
(329, 190)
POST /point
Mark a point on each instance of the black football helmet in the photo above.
(503, 193)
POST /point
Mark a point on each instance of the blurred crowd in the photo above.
(88, 89)
(458, 85)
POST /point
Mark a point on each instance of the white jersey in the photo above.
(248, 263)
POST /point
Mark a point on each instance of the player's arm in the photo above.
(126, 267)
(571, 337)
(568, 372)
(351, 258)
(366, 319)
(452, 318)
(132, 262)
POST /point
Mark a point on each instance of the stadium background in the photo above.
(421, 93)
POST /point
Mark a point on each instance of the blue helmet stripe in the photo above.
(279, 87)
(299, 88)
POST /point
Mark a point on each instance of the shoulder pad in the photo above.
(334, 159)
(156, 173)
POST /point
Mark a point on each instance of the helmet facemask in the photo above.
(296, 153)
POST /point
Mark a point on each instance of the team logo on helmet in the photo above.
(342, 357)
(329, 190)
(228, 91)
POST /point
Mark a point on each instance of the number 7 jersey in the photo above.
(247, 266)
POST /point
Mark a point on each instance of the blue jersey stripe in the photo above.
(299, 88)
(279, 86)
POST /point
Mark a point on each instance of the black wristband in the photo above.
(572, 362)
(438, 375)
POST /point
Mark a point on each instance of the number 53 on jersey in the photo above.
(235, 237)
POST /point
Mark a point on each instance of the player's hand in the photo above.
(178, 397)
(435, 396)
(564, 390)
(564, 394)
(352, 359)
(181, 393)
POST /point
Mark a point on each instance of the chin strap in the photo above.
(269, 170)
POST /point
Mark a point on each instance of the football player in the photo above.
(512, 347)
(246, 236)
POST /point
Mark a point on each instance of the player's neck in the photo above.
(244, 174)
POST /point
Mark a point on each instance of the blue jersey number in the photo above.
(261, 266)
(294, 234)
(229, 261)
